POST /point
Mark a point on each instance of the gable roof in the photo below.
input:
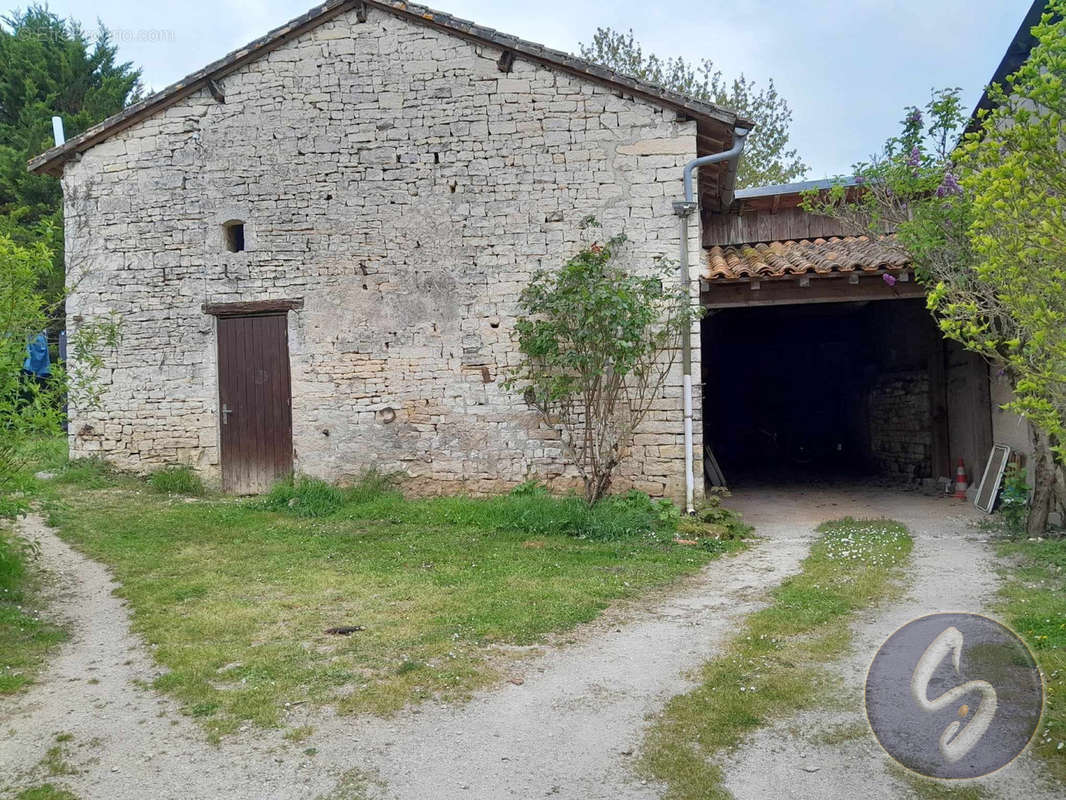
(51, 161)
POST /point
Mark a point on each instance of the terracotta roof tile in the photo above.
(820, 256)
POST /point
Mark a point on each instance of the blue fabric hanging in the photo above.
(37, 358)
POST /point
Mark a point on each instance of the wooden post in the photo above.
(938, 406)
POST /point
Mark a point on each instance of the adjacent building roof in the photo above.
(52, 160)
(1017, 54)
(793, 188)
(782, 259)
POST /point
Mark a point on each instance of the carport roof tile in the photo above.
(839, 254)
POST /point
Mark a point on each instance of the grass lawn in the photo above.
(25, 635)
(772, 668)
(1033, 603)
(234, 596)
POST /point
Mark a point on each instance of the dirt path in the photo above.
(568, 730)
(831, 754)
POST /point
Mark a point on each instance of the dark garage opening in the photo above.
(825, 391)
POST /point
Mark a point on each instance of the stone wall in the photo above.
(901, 438)
(390, 176)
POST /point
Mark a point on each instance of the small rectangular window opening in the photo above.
(234, 236)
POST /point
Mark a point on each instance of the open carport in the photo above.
(820, 360)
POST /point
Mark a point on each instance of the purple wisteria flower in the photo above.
(915, 158)
(915, 117)
(948, 186)
(889, 279)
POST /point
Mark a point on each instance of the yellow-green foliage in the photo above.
(1015, 170)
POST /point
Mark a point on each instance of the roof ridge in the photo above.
(52, 159)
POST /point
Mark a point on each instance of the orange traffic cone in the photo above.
(960, 481)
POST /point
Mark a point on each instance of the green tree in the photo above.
(984, 225)
(27, 407)
(596, 344)
(767, 157)
(49, 66)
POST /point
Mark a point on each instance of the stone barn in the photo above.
(316, 244)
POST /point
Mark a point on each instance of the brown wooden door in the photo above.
(255, 402)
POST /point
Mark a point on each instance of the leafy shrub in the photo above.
(719, 521)
(596, 344)
(1014, 500)
(176, 480)
(303, 497)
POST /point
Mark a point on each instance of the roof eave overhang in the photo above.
(51, 161)
(851, 274)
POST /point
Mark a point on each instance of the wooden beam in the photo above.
(940, 455)
(715, 294)
(216, 91)
(246, 307)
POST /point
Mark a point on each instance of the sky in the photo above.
(847, 67)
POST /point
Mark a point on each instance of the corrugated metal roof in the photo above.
(792, 188)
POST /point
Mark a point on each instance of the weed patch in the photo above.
(302, 497)
(87, 473)
(176, 480)
(46, 791)
(529, 508)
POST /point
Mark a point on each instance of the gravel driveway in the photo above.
(952, 569)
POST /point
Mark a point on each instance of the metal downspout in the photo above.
(683, 209)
